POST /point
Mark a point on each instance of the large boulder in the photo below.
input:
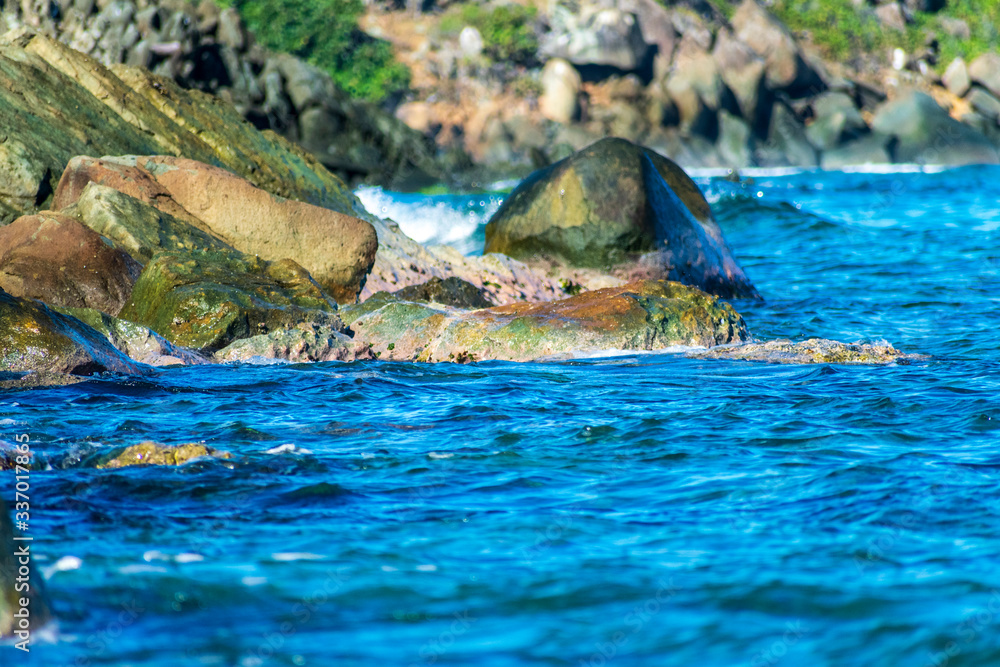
(560, 88)
(33, 337)
(742, 70)
(58, 260)
(985, 70)
(59, 103)
(772, 41)
(337, 249)
(956, 78)
(787, 141)
(137, 227)
(139, 343)
(596, 35)
(836, 121)
(696, 88)
(206, 300)
(926, 134)
(608, 206)
(644, 315)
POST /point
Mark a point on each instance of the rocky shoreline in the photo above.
(716, 84)
(702, 86)
(223, 243)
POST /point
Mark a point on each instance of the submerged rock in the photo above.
(155, 454)
(11, 593)
(812, 351)
(33, 337)
(57, 260)
(206, 300)
(33, 379)
(618, 205)
(303, 343)
(337, 249)
(644, 315)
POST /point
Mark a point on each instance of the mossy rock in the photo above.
(140, 343)
(206, 300)
(644, 315)
(136, 227)
(34, 337)
(611, 204)
(155, 454)
(59, 103)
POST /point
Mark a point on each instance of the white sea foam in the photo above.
(294, 556)
(434, 219)
(64, 564)
(288, 448)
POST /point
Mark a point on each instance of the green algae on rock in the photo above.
(226, 211)
(619, 206)
(33, 337)
(156, 454)
(138, 228)
(812, 351)
(205, 300)
(644, 315)
(307, 342)
(59, 103)
(138, 342)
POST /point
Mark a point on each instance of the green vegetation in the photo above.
(325, 33)
(845, 31)
(508, 30)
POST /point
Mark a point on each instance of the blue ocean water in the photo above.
(635, 510)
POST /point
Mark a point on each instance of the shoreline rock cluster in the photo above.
(252, 249)
(704, 87)
(200, 46)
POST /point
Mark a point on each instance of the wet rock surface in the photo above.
(33, 337)
(156, 454)
(207, 300)
(612, 204)
(301, 344)
(57, 260)
(812, 351)
(645, 315)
